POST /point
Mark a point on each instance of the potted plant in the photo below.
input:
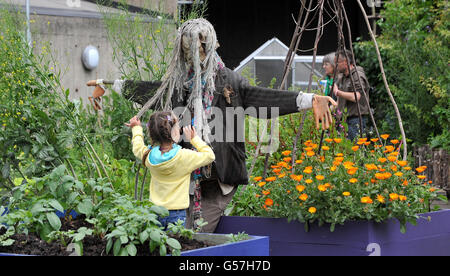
(344, 199)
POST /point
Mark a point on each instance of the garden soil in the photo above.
(92, 245)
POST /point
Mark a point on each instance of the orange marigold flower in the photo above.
(339, 158)
(277, 170)
(308, 170)
(281, 175)
(297, 177)
(352, 170)
(303, 197)
(266, 192)
(308, 181)
(380, 198)
(346, 193)
(402, 163)
(395, 141)
(387, 175)
(392, 158)
(262, 183)
(257, 178)
(407, 168)
(421, 169)
(389, 149)
(282, 164)
(320, 177)
(287, 159)
(325, 148)
(310, 153)
(353, 180)
(272, 178)
(370, 167)
(394, 168)
(402, 197)
(432, 189)
(355, 148)
(421, 176)
(322, 188)
(337, 140)
(339, 154)
(268, 202)
(379, 176)
(399, 174)
(286, 152)
(374, 139)
(393, 196)
(312, 210)
(384, 136)
(366, 200)
(382, 159)
(300, 188)
(333, 168)
(298, 161)
(328, 140)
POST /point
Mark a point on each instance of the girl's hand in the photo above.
(133, 122)
(189, 132)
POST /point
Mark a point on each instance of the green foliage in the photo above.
(415, 53)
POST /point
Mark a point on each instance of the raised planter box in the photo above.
(431, 236)
(254, 246)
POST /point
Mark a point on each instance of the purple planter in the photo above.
(355, 238)
(254, 246)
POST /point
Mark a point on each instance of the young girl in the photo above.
(169, 164)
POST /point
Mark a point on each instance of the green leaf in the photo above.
(109, 245)
(131, 249)
(54, 220)
(123, 239)
(173, 243)
(55, 204)
(159, 210)
(37, 208)
(117, 246)
(403, 228)
(143, 236)
(153, 245)
(155, 235)
(162, 250)
(85, 207)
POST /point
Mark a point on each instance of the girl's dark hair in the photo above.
(160, 126)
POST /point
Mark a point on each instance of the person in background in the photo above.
(346, 92)
(329, 66)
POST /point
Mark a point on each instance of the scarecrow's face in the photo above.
(186, 43)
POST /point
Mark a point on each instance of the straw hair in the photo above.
(196, 31)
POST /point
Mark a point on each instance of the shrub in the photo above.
(414, 48)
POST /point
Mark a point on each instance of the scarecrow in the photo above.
(197, 83)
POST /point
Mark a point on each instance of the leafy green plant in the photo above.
(414, 48)
(240, 236)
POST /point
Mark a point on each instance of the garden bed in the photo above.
(431, 236)
(201, 245)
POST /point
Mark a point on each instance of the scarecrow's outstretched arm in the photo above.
(137, 91)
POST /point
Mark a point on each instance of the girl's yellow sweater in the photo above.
(169, 186)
